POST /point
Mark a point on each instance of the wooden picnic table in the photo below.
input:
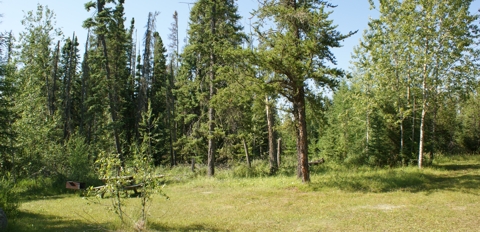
(129, 184)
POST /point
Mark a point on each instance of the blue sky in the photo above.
(350, 15)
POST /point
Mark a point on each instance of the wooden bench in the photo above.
(316, 162)
(100, 190)
(132, 187)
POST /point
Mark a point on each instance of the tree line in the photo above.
(228, 97)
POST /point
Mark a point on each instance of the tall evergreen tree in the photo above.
(160, 98)
(69, 72)
(111, 51)
(171, 103)
(297, 49)
(214, 31)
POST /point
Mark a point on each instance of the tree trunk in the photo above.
(302, 142)
(67, 129)
(422, 133)
(211, 110)
(85, 77)
(434, 127)
(193, 164)
(399, 111)
(424, 109)
(414, 115)
(172, 86)
(367, 128)
(168, 102)
(271, 139)
(279, 151)
(401, 136)
(246, 153)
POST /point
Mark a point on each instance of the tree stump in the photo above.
(3, 220)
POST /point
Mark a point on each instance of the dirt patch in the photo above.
(384, 207)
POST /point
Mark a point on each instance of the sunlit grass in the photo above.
(439, 198)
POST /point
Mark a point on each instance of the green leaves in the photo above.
(406, 62)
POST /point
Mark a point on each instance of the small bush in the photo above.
(78, 160)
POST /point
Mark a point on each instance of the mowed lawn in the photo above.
(441, 198)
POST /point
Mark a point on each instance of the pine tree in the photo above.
(297, 49)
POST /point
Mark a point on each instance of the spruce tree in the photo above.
(110, 53)
(214, 30)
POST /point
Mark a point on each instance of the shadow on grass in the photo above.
(458, 167)
(194, 227)
(457, 178)
(29, 222)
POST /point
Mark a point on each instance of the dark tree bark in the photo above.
(70, 72)
(279, 151)
(302, 142)
(271, 137)
(84, 91)
(170, 115)
(211, 110)
(245, 147)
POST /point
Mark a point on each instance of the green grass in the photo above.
(439, 198)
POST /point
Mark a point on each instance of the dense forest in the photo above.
(228, 98)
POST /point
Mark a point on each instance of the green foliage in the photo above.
(143, 162)
(296, 50)
(468, 137)
(38, 147)
(79, 159)
(40, 187)
(109, 169)
(9, 198)
(259, 168)
(413, 68)
(366, 199)
(344, 137)
(8, 137)
(140, 171)
(208, 72)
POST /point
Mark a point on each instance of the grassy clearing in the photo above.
(440, 198)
